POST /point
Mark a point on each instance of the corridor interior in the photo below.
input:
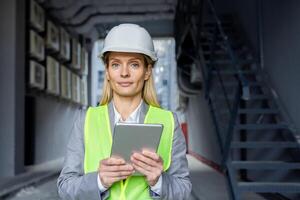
(227, 68)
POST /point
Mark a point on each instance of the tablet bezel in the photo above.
(130, 137)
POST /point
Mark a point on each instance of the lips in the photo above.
(124, 84)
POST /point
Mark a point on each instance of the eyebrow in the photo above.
(134, 58)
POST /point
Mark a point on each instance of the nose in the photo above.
(124, 71)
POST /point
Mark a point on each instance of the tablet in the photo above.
(129, 137)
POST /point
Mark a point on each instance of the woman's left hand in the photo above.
(148, 163)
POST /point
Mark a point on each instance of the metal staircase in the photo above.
(259, 146)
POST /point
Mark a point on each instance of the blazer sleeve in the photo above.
(176, 182)
(72, 183)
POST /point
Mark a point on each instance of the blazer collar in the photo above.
(111, 113)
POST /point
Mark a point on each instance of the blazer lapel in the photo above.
(111, 113)
(143, 112)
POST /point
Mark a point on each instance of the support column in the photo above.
(12, 86)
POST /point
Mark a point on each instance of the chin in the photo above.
(127, 93)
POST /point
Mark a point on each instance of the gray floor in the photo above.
(207, 185)
(44, 191)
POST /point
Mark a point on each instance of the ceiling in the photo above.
(94, 18)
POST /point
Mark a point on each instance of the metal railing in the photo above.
(241, 89)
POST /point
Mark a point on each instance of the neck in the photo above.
(126, 105)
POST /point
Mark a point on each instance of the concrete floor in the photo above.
(44, 191)
(207, 185)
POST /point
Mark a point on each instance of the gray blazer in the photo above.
(74, 184)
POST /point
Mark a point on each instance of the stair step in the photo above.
(261, 187)
(218, 43)
(256, 145)
(243, 49)
(252, 97)
(211, 29)
(217, 52)
(232, 72)
(207, 38)
(263, 165)
(223, 52)
(258, 111)
(260, 126)
(251, 84)
(229, 62)
(213, 24)
(259, 97)
(223, 19)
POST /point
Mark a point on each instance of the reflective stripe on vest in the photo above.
(98, 142)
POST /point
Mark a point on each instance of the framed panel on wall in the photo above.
(65, 75)
(52, 36)
(37, 46)
(37, 75)
(37, 16)
(84, 61)
(75, 88)
(52, 76)
(83, 90)
(65, 45)
(76, 54)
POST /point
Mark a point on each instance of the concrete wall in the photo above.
(12, 16)
(202, 136)
(280, 34)
(281, 49)
(53, 118)
(53, 123)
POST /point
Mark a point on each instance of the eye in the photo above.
(115, 65)
(134, 65)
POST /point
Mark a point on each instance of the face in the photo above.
(126, 73)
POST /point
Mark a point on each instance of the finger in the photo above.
(141, 170)
(114, 179)
(142, 164)
(151, 154)
(116, 168)
(116, 174)
(113, 161)
(145, 159)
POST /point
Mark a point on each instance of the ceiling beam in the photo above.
(100, 19)
(78, 5)
(119, 10)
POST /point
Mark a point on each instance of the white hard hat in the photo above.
(129, 38)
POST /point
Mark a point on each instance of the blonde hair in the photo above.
(148, 91)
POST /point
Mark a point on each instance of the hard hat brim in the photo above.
(128, 50)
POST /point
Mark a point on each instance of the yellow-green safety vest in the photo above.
(98, 143)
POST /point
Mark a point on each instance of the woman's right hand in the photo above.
(113, 169)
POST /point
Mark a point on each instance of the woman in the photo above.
(128, 96)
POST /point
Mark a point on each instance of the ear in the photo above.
(148, 72)
(106, 74)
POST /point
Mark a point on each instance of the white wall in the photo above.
(202, 135)
(281, 44)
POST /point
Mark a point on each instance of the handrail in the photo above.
(242, 79)
(242, 90)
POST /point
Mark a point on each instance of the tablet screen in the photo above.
(130, 137)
